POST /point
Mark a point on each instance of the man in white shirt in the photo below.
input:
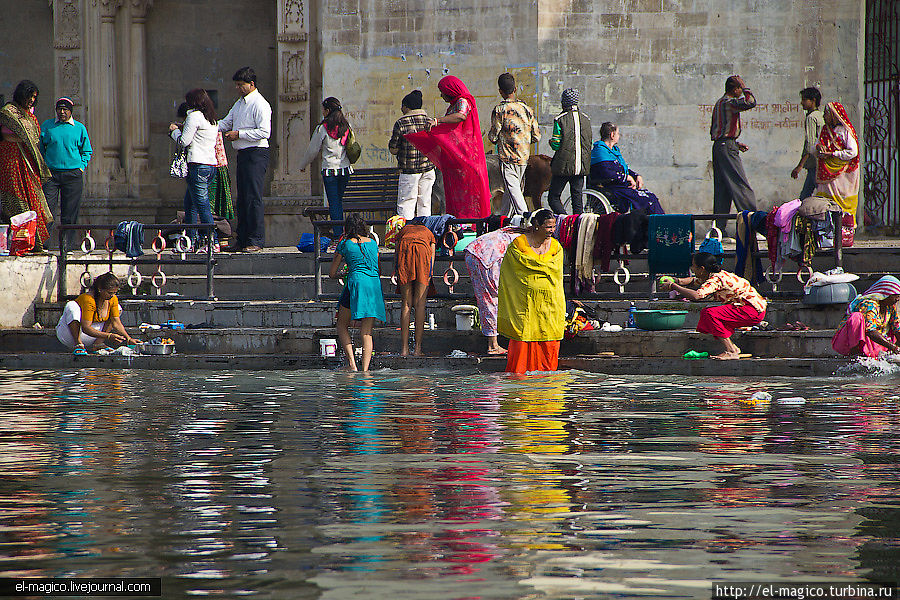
(247, 126)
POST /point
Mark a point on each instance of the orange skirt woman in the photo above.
(532, 305)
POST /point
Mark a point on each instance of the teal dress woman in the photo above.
(362, 299)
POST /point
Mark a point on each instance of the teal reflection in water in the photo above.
(445, 485)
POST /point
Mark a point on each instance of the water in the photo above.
(446, 485)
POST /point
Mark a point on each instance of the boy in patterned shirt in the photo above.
(513, 130)
(416, 171)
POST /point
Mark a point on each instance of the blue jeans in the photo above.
(334, 192)
(196, 197)
(809, 185)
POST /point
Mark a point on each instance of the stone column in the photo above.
(291, 115)
(105, 174)
(67, 35)
(136, 122)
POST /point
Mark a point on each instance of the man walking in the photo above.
(572, 161)
(416, 171)
(247, 126)
(67, 150)
(810, 99)
(513, 130)
(729, 180)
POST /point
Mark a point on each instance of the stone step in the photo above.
(755, 367)
(305, 340)
(223, 313)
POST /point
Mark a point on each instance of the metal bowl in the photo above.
(157, 348)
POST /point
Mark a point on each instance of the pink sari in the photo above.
(458, 151)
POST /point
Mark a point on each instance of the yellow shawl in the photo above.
(532, 303)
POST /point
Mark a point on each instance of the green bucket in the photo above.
(655, 320)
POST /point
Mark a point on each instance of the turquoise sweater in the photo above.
(65, 145)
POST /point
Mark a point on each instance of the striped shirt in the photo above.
(726, 116)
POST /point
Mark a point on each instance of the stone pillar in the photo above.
(136, 121)
(67, 35)
(291, 116)
(105, 177)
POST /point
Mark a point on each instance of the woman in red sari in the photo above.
(22, 167)
(454, 143)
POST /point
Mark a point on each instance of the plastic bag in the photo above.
(847, 230)
(22, 232)
(307, 243)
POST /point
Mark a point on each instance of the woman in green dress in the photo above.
(362, 299)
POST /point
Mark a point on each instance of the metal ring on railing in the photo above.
(162, 280)
(718, 233)
(134, 279)
(158, 244)
(454, 239)
(110, 243)
(394, 279)
(800, 271)
(86, 280)
(450, 270)
(88, 244)
(374, 236)
(627, 274)
(183, 244)
(772, 279)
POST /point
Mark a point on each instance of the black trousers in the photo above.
(64, 189)
(250, 211)
(576, 186)
(729, 180)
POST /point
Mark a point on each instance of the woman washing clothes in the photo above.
(414, 261)
(92, 319)
(871, 325)
(362, 299)
(742, 305)
(532, 305)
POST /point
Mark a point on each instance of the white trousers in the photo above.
(72, 312)
(513, 199)
(414, 194)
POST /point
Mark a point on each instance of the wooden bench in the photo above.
(372, 192)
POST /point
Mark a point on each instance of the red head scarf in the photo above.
(830, 168)
(458, 151)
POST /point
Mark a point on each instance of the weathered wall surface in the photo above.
(28, 57)
(202, 44)
(655, 67)
(376, 51)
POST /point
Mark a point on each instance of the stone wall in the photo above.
(655, 67)
(202, 44)
(28, 57)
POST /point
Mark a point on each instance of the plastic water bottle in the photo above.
(631, 324)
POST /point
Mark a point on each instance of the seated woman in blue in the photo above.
(362, 299)
(610, 173)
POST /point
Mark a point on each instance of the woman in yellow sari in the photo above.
(837, 174)
(532, 304)
(22, 166)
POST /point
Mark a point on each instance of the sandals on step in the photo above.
(79, 351)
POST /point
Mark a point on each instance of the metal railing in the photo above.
(134, 279)
(450, 276)
(621, 276)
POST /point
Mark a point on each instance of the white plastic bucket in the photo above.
(4, 244)
(328, 348)
(465, 321)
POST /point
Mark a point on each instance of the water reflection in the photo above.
(441, 485)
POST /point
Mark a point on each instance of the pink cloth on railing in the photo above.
(785, 217)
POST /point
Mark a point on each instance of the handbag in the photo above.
(352, 147)
(179, 166)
